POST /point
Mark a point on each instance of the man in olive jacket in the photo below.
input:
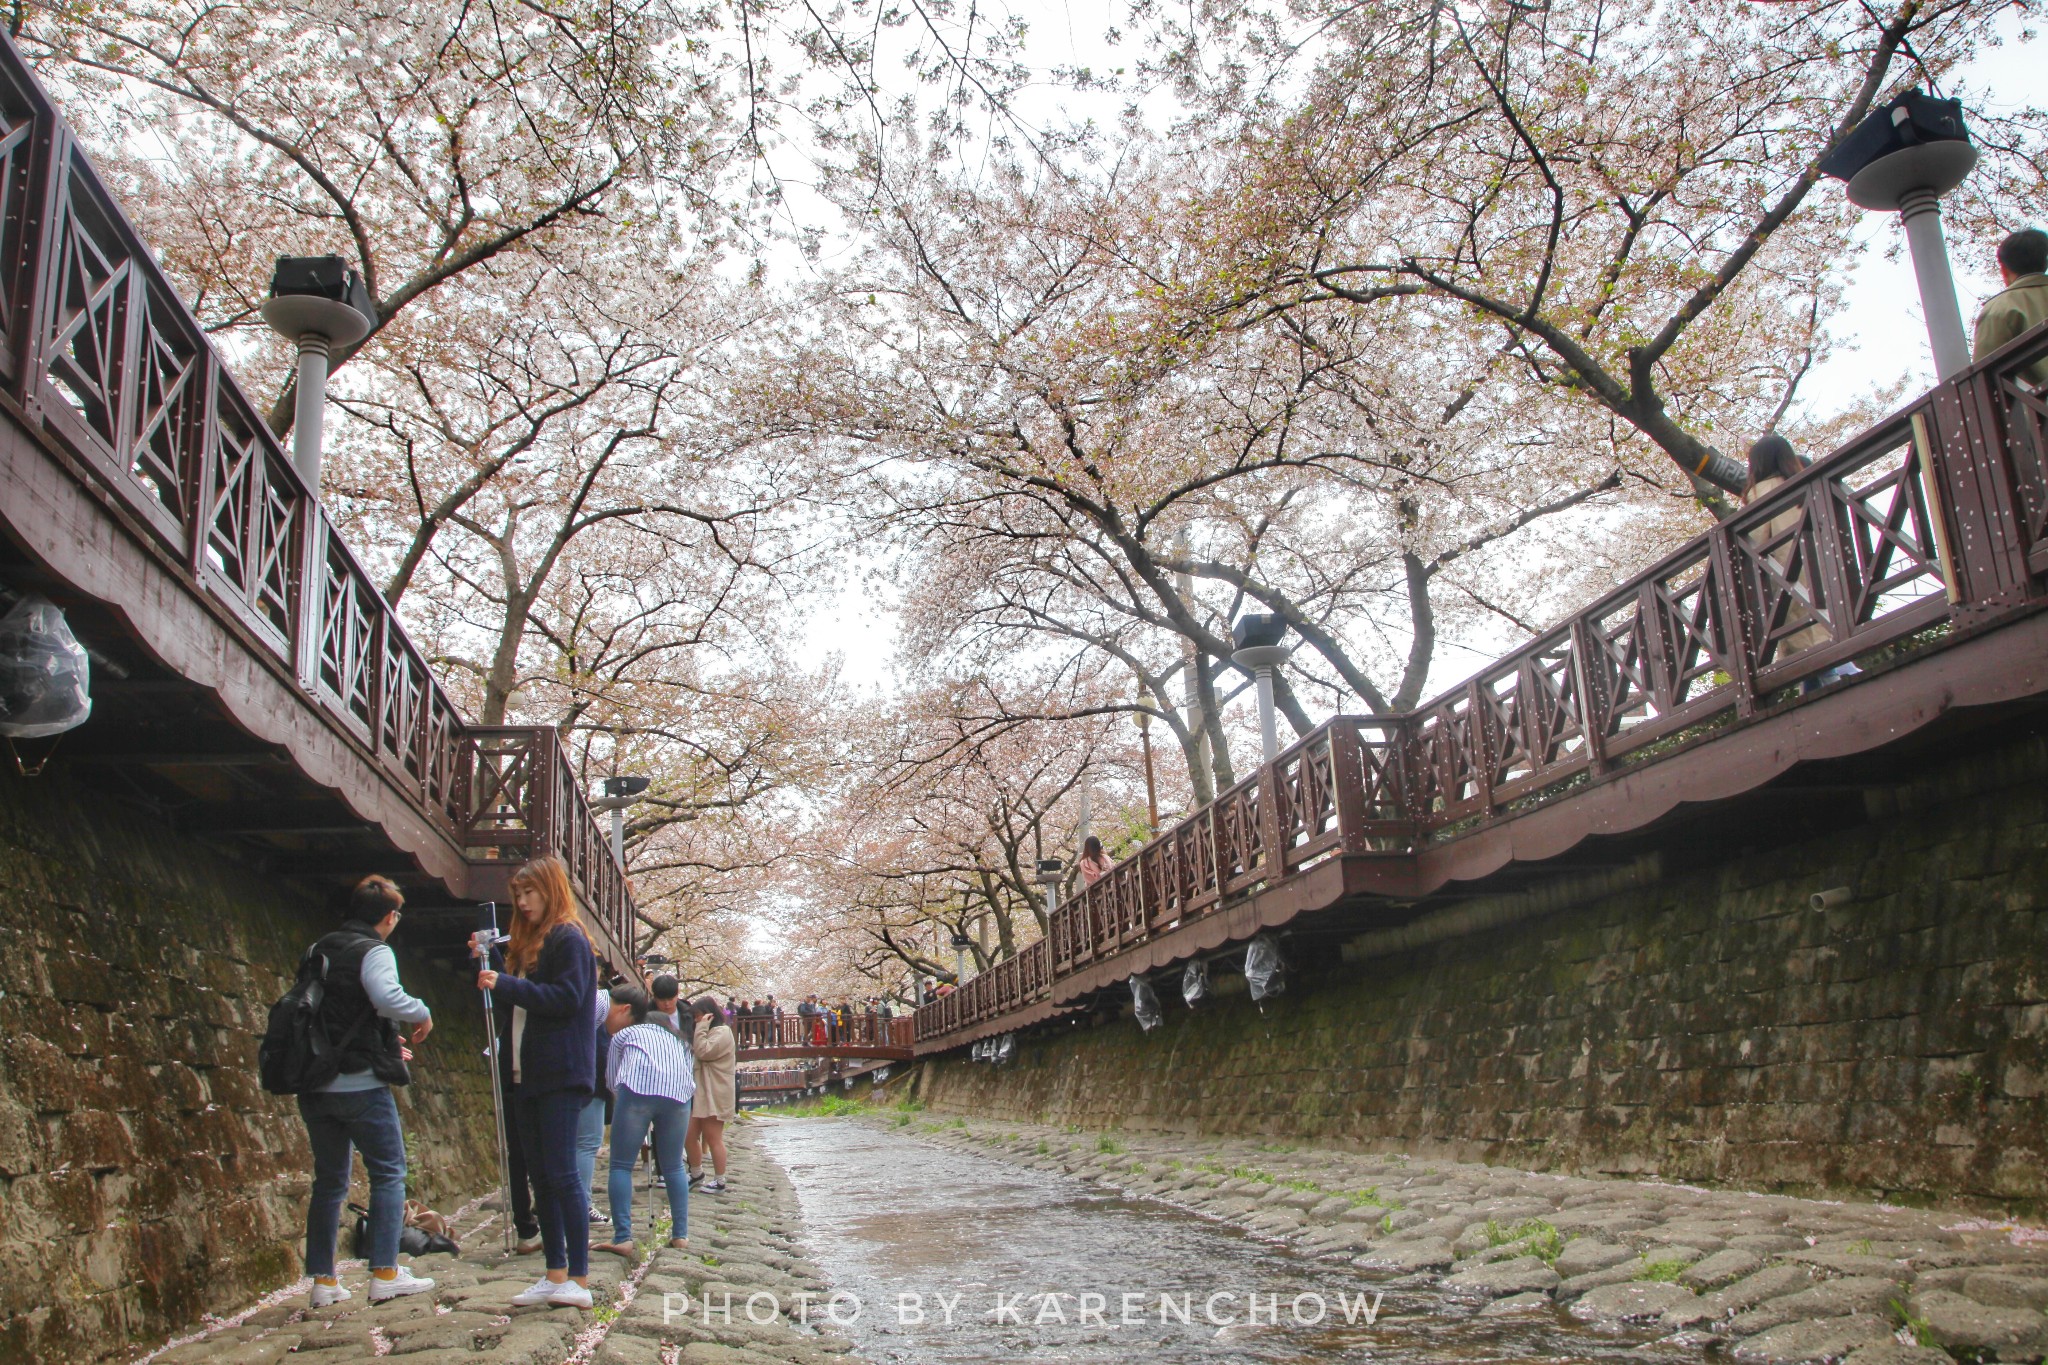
(2023, 305)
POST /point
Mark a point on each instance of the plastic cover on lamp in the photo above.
(1264, 971)
(45, 677)
(1145, 1003)
(1194, 983)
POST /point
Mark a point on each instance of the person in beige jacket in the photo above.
(1772, 461)
(717, 1094)
(2022, 305)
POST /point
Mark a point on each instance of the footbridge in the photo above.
(1692, 708)
(863, 1037)
(250, 683)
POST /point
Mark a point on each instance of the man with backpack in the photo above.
(361, 1006)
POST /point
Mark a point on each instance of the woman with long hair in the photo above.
(717, 1094)
(548, 974)
(1095, 864)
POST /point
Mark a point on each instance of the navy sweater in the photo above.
(555, 1051)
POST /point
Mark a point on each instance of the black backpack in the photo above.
(295, 1055)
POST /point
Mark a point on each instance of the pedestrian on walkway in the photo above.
(651, 1075)
(716, 1097)
(1095, 864)
(1772, 460)
(2023, 304)
(359, 1014)
(549, 973)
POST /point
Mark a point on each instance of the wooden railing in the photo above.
(792, 1032)
(1931, 523)
(100, 355)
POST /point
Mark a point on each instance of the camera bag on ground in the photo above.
(424, 1233)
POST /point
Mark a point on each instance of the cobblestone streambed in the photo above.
(905, 1237)
(1483, 1263)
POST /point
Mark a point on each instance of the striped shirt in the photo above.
(648, 1059)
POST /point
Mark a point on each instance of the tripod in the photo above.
(485, 938)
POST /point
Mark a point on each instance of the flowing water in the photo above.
(902, 1226)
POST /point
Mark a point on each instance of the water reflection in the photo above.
(1025, 1261)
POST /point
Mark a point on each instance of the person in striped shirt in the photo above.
(653, 1079)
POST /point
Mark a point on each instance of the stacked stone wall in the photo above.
(145, 1177)
(1705, 1026)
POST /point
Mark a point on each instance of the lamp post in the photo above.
(1049, 871)
(320, 303)
(1257, 636)
(1903, 157)
(619, 793)
(1145, 742)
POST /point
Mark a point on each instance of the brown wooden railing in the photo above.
(1930, 523)
(99, 354)
(862, 1034)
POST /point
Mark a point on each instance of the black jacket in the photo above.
(374, 1044)
(555, 1051)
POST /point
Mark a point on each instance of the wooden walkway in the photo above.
(250, 683)
(1917, 551)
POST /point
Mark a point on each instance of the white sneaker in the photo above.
(715, 1185)
(569, 1294)
(542, 1289)
(398, 1286)
(328, 1294)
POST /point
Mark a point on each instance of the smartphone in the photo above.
(487, 936)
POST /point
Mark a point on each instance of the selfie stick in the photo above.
(488, 937)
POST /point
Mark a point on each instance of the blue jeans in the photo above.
(337, 1126)
(632, 1116)
(547, 1130)
(589, 1138)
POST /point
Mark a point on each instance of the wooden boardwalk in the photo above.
(1918, 552)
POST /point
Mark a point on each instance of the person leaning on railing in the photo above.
(2023, 304)
(1772, 461)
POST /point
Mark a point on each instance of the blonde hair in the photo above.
(548, 875)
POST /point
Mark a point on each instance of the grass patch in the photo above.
(708, 1259)
(903, 1120)
(1368, 1198)
(1861, 1247)
(1922, 1333)
(1544, 1240)
(1661, 1272)
(1173, 1163)
(1044, 1147)
(959, 1123)
(1109, 1146)
(1253, 1174)
(1386, 1222)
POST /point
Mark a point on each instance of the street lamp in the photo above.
(320, 303)
(1257, 636)
(1049, 870)
(619, 793)
(1903, 157)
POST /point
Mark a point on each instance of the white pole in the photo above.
(1920, 211)
(1269, 730)
(310, 414)
(619, 836)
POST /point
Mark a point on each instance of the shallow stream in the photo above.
(903, 1226)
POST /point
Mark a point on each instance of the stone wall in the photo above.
(145, 1178)
(1704, 1025)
